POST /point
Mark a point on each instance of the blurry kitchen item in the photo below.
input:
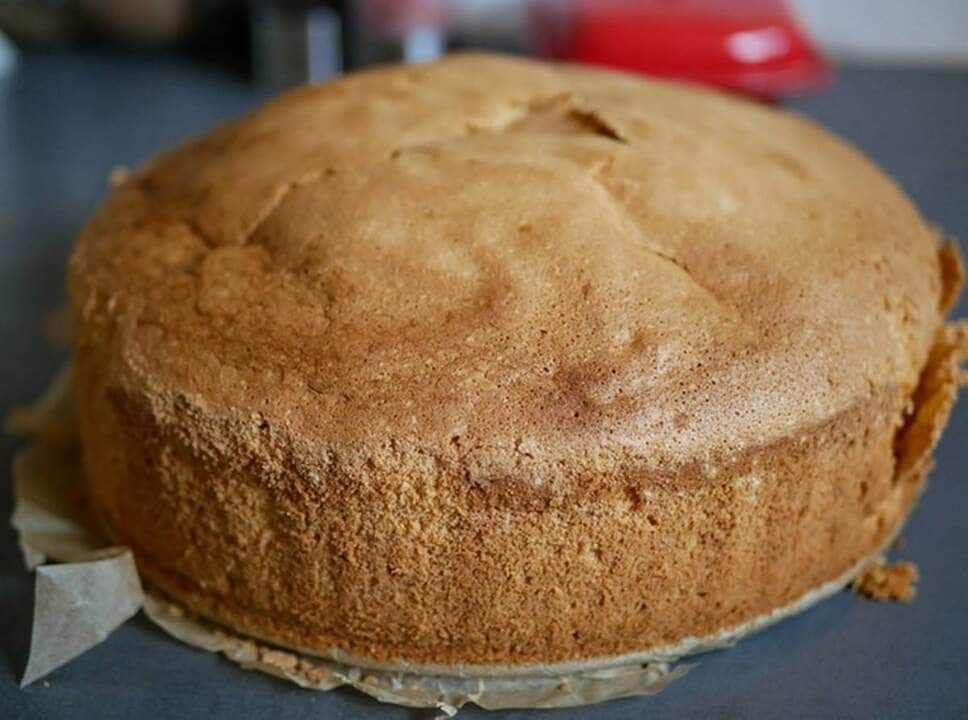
(928, 32)
(150, 22)
(497, 25)
(38, 22)
(402, 30)
(753, 47)
(134, 22)
(296, 42)
(8, 56)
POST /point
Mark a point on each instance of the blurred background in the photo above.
(764, 47)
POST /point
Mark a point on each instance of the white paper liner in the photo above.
(77, 605)
(96, 588)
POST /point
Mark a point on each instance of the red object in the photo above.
(750, 46)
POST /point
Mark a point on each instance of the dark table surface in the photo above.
(66, 120)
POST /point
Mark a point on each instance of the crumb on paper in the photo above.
(888, 582)
(50, 419)
(278, 658)
(118, 176)
(311, 671)
(899, 543)
(57, 328)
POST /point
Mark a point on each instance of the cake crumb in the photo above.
(899, 543)
(278, 659)
(888, 582)
(312, 672)
(57, 328)
(118, 176)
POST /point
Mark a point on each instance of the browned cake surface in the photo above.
(491, 362)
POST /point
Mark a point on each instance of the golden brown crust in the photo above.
(550, 364)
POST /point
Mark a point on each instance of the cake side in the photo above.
(422, 568)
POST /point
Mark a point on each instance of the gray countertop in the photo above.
(66, 120)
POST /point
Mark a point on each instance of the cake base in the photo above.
(458, 673)
(49, 490)
(491, 687)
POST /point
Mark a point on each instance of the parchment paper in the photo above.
(95, 588)
(77, 605)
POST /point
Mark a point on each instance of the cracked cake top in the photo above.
(548, 262)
